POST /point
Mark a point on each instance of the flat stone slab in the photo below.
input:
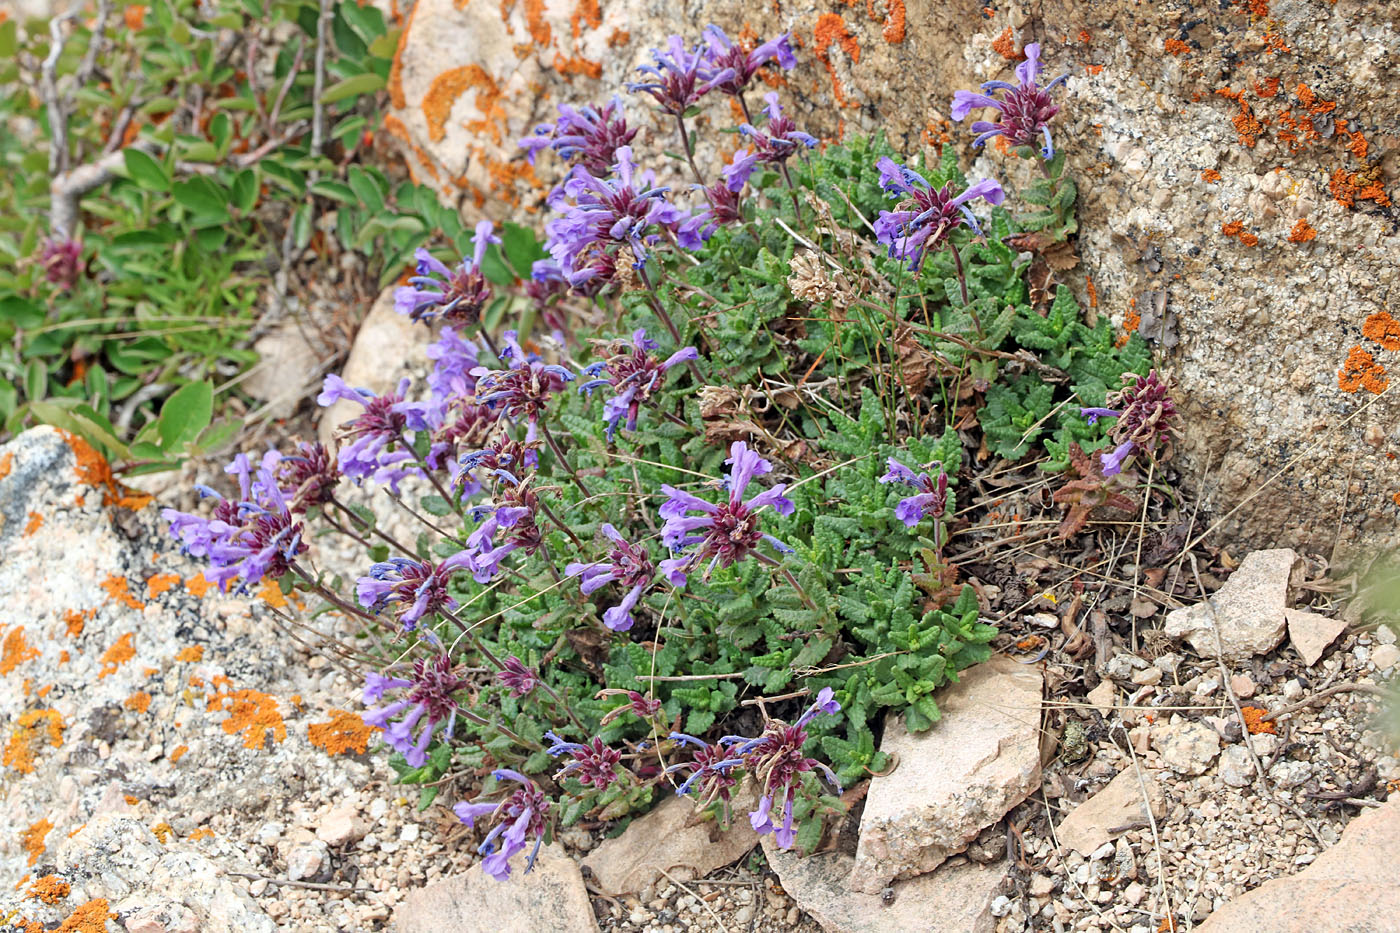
(1351, 888)
(674, 838)
(980, 760)
(552, 897)
(1118, 806)
(1310, 633)
(1250, 607)
(955, 897)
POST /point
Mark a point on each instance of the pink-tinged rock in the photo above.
(552, 897)
(957, 896)
(1249, 607)
(1111, 812)
(1310, 633)
(675, 838)
(387, 347)
(979, 761)
(1351, 888)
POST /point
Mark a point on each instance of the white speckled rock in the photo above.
(1249, 608)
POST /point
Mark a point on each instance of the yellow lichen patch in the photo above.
(117, 655)
(251, 713)
(190, 654)
(160, 583)
(36, 521)
(178, 753)
(91, 917)
(198, 585)
(345, 733)
(49, 889)
(203, 832)
(31, 840)
(33, 729)
(163, 831)
(140, 701)
(1383, 329)
(1361, 371)
(14, 651)
(118, 591)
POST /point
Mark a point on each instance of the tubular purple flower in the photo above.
(629, 565)
(727, 532)
(457, 296)
(453, 361)
(931, 499)
(1145, 411)
(1026, 108)
(520, 815)
(419, 587)
(773, 145)
(62, 262)
(643, 707)
(926, 215)
(741, 60)
(429, 700)
(309, 476)
(518, 679)
(369, 440)
(589, 136)
(523, 390)
(711, 769)
(636, 376)
(594, 764)
(680, 77)
(721, 209)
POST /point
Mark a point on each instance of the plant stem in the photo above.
(689, 153)
(329, 596)
(563, 460)
(792, 580)
(792, 190)
(962, 286)
(549, 513)
(655, 301)
(371, 528)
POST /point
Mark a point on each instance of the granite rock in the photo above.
(1248, 608)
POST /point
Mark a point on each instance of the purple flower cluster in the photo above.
(774, 759)
(1144, 409)
(926, 215)
(62, 262)
(741, 61)
(428, 698)
(931, 498)
(606, 214)
(309, 476)
(507, 525)
(457, 296)
(519, 816)
(588, 136)
(375, 443)
(524, 388)
(628, 565)
(418, 587)
(1025, 108)
(518, 679)
(635, 374)
(680, 76)
(594, 764)
(643, 707)
(773, 145)
(251, 537)
(726, 532)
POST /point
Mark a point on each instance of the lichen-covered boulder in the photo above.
(1236, 165)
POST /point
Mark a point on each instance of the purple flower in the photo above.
(587, 135)
(377, 437)
(773, 145)
(455, 295)
(519, 816)
(428, 699)
(546, 287)
(252, 537)
(524, 388)
(727, 532)
(419, 587)
(776, 760)
(931, 499)
(308, 476)
(507, 525)
(721, 208)
(62, 262)
(608, 212)
(628, 565)
(741, 61)
(635, 375)
(680, 77)
(643, 707)
(1145, 411)
(1025, 108)
(711, 769)
(594, 764)
(453, 361)
(518, 679)
(927, 215)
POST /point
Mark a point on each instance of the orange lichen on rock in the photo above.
(160, 583)
(121, 651)
(586, 11)
(91, 917)
(1232, 228)
(452, 84)
(1256, 723)
(49, 889)
(14, 651)
(1349, 187)
(178, 753)
(1383, 329)
(7, 463)
(36, 521)
(33, 729)
(203, 832)
(1176, 47)
(118, 591)
(1246, 123)
(198, 585)
(1005, 46)
(91, 467)
(831, 30)
(251, 713)
(1361, 371)
(75, 620)
(396, 95)
(895, 19)
(1249, 239)
(1211, 176)
(140, 701)
(190, 654)
(32, 839)
(1267, 88)
(345, 733)
(163, 831)
(1302, 232)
